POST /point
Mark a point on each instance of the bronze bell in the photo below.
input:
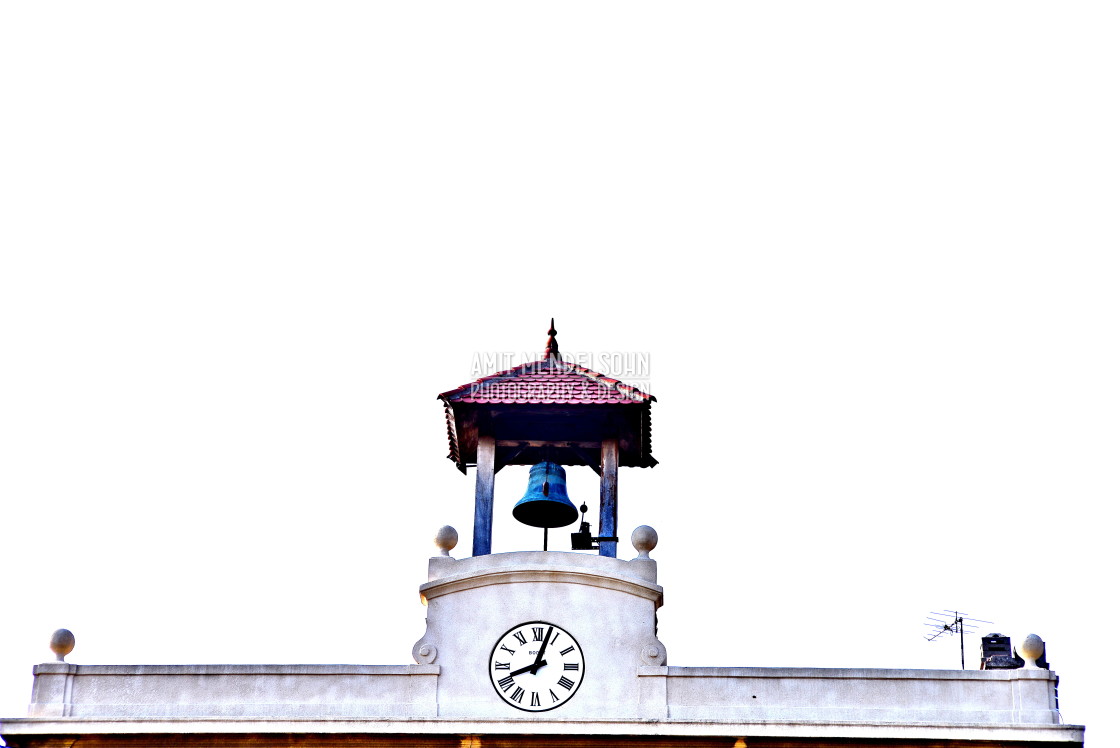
(546, 503)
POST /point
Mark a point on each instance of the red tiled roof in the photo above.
(549, 381)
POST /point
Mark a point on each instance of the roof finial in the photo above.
(552, 348)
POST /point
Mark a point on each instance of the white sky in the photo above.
(870, 249)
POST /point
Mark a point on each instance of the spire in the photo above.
(552, 348)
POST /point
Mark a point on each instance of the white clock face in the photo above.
(536, 666)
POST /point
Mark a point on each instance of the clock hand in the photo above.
(527, 668)
(540, 662)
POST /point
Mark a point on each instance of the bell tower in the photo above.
(548, 413)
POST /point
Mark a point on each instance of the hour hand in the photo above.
(527, 668)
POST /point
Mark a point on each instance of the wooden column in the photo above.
(608, 498)
(484, 496)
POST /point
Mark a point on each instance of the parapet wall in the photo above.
(406, 692)
(214, 691)
(850, 695)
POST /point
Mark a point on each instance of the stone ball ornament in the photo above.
(1031, 649)
(62, 643)
(447, 537)
(644, 540)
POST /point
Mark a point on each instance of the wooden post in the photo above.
(608, 498)
(484, 496)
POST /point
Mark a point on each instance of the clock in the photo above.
(536, 666)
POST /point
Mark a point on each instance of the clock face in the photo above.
(536, 666)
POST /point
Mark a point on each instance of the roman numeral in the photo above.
(555, 698)
(565, 682)
(508, 649)
(566, 651)
(535, 699)
(519, 637)
(505, 665)
(570, 666)
(506, 682)
(518, 695)
(538, 633)
(554, 638)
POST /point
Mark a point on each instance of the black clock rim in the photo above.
(490, 671)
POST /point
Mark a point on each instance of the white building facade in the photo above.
(605, 681)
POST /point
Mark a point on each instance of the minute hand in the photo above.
(540, 661)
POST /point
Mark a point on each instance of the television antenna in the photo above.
(952, 622)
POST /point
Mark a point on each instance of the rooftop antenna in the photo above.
(952, 622)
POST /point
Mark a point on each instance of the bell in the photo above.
(545, 503)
